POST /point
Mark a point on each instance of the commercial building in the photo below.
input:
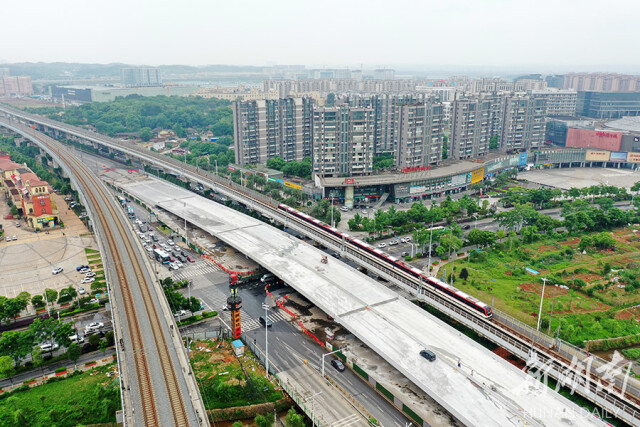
(15, 85)
(108, 94)
(343, 141)
(557, 127)
(136, 77)
(560, 102)
(602, 82)
(608, 105)
(268, 128)
(30, 195)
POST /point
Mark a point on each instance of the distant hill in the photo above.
(77, 71)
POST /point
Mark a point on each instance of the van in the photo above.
(267, 277)
(429, 355)
(265, 322)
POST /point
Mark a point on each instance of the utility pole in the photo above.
(544, 283)
(553, 302)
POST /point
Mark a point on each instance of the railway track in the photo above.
(493, 327)
(95, 193)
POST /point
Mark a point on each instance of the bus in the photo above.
(161, 256)
(131, 212)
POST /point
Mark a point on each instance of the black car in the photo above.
(429, 355)
(336, 363)
(466, 227)
(265, 322)
(80, 267)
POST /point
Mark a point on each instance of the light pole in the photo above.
(430, 239)
(186, 235)
(313, 415)
(544, 283)
(266, 341)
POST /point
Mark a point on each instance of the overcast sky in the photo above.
(553, 34)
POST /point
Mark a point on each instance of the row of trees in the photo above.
(300, 169)
(176, 300)
(546, 198)
(323, 211)
(134, 113)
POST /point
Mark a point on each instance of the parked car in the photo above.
(403, 240)
(393, 243)
(428, 354)
(17, 225)
(90, 274)
(405, 253)
(170, 242)
(81, 290)
(173, 266)
(179, 313)
(336, 363)
(344, 209)
(49, 346)
(15, 237)
(82, 267)
(94, 301)
(76, 339)
(94, 326)
(87, 280)
(68, 199)
(8, 239)
(57, 270)
(267, 277)
(85, 270)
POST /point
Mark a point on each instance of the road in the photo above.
(288, 347)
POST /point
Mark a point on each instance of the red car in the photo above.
(190, 259)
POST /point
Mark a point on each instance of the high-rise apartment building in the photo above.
(560, 102)
(419, 130)
(15, 85)
(523, 127)
(475, 120)
(605, 82)
(134, 77)
(343, 140)
(268, 128)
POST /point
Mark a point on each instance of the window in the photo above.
(41, 202)
(44, 211)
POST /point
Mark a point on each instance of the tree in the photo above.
(7, 369)
(74, 352)
(145, 134)
(16, 344)
(464, 274)
(51, 295)
(606, 269)
(237, 424)
(293, 419)
(276, 163)
(493, 142)
(37, 301)
(94, 341)
(265, 420)
(481, 237)
(103, 346)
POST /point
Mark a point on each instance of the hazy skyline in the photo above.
(553, 35)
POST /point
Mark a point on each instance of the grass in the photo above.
(91, 251)
(223, 383)
(83, 398)
(498, 276)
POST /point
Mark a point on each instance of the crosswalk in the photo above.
(193, 270)
(249, 323)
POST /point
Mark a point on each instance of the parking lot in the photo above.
(27, 262)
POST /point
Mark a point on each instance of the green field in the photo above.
(592, 303)
(223, 383)
(85, 398)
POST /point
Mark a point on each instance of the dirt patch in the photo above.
(624, 315)
(587, 277)
(509, 357)
(547, 248)
(570, 242)
(549, 291)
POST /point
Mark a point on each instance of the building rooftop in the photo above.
(631, 124)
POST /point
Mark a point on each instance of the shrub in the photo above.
(62, 369)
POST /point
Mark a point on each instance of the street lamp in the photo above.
(544, 282)
(266, 342)
(327, 354)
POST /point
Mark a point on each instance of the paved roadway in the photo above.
(288, 347)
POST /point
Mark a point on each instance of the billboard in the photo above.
(417, 189)
(292, 185)
(477, 175)
(587, 138)
(522, 161)
(597, 156)
(459, 179)
(633, 157)
(618, 157)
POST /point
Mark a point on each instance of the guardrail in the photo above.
(230, 189)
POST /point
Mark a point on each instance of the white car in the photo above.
(15, 237)
(55, 270)
(90, 274)
(87, 280)
(344, 209)
(382, 245)
(179, 313)
(393, 243)
(94, 301)
(94, 326)
(403, 240)
(148, 248)
(81, 290)
(365, 212)
(170, 242)
(85, 270)
(407, 239)
(49, 346)
(76, 339)
(179, 264)
(173, 266)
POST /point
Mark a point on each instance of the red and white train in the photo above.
(399, 267)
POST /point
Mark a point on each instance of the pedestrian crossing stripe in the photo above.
(249, 324)
(196, 270)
